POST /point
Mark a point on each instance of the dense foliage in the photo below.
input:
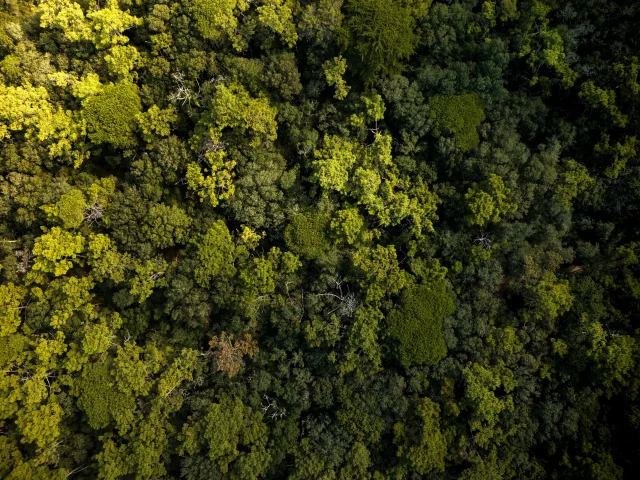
(319, 239)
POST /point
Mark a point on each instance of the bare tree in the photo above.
(484, 240)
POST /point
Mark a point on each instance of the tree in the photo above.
(228, 353)
(417, 324)
(111, 114)
(11, 297)
(215, 254)
(461, 115)
(334, 163)
(109, 23)
(380, 273)
(488, 201)
(381, 36)
(233, 437)
(548, 298)
(278, 16)
(422, 443)
(70, 209)
(166, 226)
(334, 69)
(215, 19)
(305, 235)
(54, 251)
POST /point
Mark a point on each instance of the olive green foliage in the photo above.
(427, 452)
(215, 254)
(417, 324)
(459, 115)
(381, 35)
(111, 114)
(233, 437)
(306, 235)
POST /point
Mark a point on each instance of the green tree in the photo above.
(489, 201)
(380, 272)
(548, 298)
(417, 324)
(111, 114)
(334, 70)
(306, 235)
(461, 115)
(215, 254)
(421, 442)
(70, 209)
(381, 35)
(233, 437)
(278, 16)
(215, 19)
(54, 251)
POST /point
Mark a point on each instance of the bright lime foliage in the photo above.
(23, 108)
(549, 298)
(218, 17)
(547, 48)
(574, 180)
(54, 251)
(417, 324)
(481, 385)
(615, 357)
(306, 235)
(69, 209)
(214, 182)
(232, 435)
(334, 70)
(147, 274)
(66, 16)
(488, 201)
(100, 399)
(381, 272)
(121, 60)
(369, 176)
(620, 153)
(80, 88)
(233, 107)
(11, 297)
(382, 36)
(104, 27)
(334, 162)
(111, 115)
(278, 16)
(605, 99)
(422, 442)
(363, 352)
(215, 254)
(28, 109)
(350, 226)
(108, 24)
(461, 115)
(156, 120)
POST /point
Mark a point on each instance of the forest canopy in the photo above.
(319, 239)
